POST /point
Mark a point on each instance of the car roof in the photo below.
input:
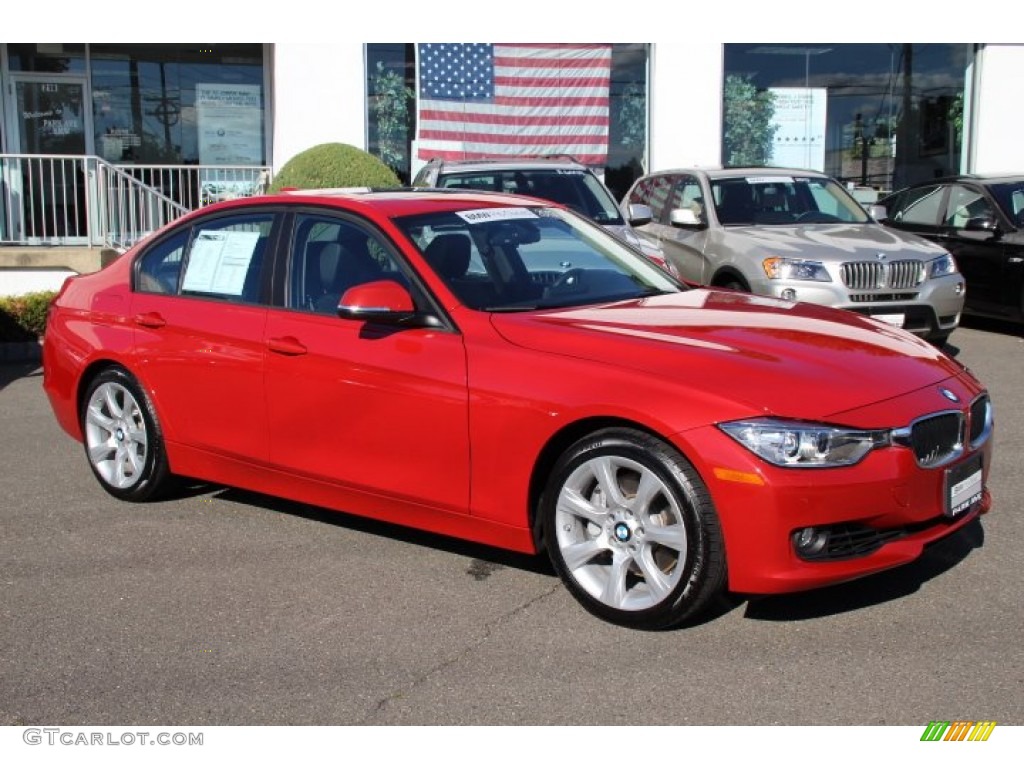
(981, 178)
(721, 172)
(501, 164)
(388, 202)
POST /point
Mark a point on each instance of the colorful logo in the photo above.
(959, 730)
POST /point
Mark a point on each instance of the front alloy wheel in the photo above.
(631, 530)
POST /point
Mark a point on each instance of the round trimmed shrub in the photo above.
(333, 165)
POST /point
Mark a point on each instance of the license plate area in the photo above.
(899, 320)
(964, 487)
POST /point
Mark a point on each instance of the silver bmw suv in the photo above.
(797, 235)
(560, 179)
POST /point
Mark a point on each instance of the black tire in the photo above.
(939, 339)
(650, 559)
(732, 284)
(123, 441)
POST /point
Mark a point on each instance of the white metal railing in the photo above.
(194, 186)
(84, 200)
(128, 209)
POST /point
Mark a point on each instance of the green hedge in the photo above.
(23, 318)
(333, 165)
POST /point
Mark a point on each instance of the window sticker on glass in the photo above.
(495, 214)
(219, 262)
(769, 179)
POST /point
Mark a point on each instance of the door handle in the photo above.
(287, 345)
(150, 320)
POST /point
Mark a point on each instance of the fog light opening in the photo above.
(788, 294)
(810, 541)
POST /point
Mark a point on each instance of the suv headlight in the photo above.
(778, 268)
(944, 265)
(805, 445)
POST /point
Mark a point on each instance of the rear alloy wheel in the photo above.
(122, 437)
(631, 530)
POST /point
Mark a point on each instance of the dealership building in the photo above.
(102, 142)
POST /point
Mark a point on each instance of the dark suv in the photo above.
(559, 179)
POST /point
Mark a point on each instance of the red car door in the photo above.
(199, 343)
(380, 410)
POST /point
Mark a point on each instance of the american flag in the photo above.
(505, 100)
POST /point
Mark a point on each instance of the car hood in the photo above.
(836, 242)
(793, 360)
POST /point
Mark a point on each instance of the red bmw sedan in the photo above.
(499, 369)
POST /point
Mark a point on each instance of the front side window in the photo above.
(519, 258)
(965, 204)
(917, 206)
(1010, 197)
(331, 255)
(688, 194)
(652, 192)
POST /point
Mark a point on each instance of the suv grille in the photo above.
(875, 275)
(874, 298)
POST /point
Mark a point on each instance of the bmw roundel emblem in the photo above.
(622, 532)
(951, 396)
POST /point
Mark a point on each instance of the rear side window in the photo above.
(160, 266)
(225, 258)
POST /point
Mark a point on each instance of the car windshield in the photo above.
(768, 200)
(507, 259)
(574, 188)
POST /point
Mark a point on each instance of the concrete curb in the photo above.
(21, 352)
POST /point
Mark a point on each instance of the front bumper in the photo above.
(930, 309)
(887, 503)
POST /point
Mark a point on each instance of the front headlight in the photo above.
(944, 265)
(778, 268)
(804, 445)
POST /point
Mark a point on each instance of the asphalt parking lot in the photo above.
(227, 608)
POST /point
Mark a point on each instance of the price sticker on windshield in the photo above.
(484, 215)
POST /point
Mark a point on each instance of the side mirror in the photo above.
(640, 214)
(380, 301)
(981, 224)
(686, 218)
(877, 212)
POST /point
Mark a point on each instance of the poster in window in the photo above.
(229, 119)
(800, 114)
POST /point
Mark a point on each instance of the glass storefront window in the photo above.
(627, 112)
(48, 58)
(182, 104)
(391, 100)
(392, 103)
(882, 115)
